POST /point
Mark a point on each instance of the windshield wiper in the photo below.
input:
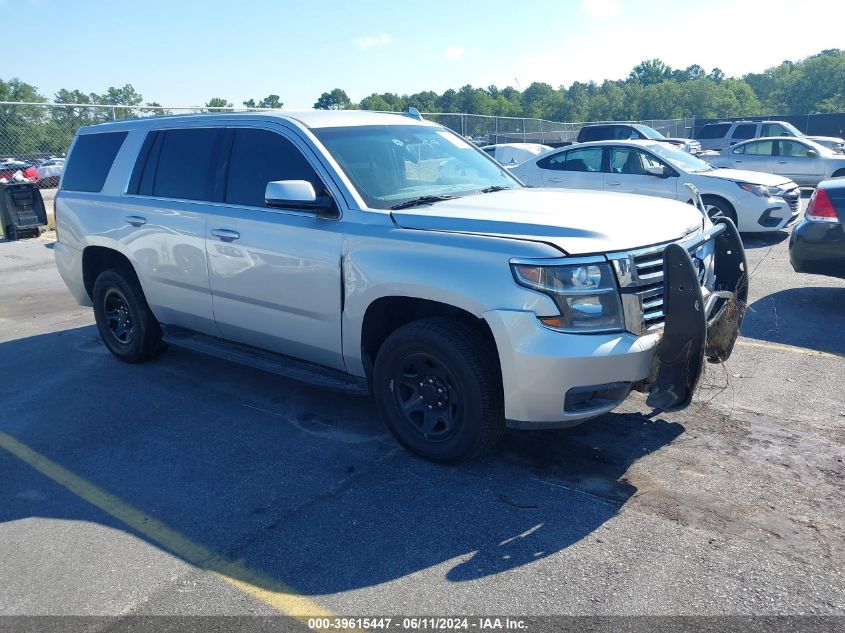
(494, 188)
(416, 202)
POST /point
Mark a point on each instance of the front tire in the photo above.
(716, 207)
(124, 320)
(438, 387)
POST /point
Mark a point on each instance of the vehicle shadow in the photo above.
(752, 241)
(301, 485)
(797, 316)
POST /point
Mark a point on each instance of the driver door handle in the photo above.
(555, 179)
(613, 183)
(225, 234)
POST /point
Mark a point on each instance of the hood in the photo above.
(753, 177)
(826, 139)
(578, 222)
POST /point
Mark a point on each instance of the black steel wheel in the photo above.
(127, 326)
(119, 319)
(438, 387)
(428, 396)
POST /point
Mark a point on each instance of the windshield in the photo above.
(394, 164)
(650, 133)
(679, 158)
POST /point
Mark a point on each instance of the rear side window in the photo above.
(744, 131)
(89, 163)
(187, 160)
(763, 148)
(607, 133)
(262, 156)
(713, 130)
(587, 159)
(773, 129)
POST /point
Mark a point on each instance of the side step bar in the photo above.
(271, 362)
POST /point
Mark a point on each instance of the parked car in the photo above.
(9, 168)
(755, 202)
(806, 162)
(50, 171)
(463, 303)
(631, 131)
(515, 153)
(817, 244)
(718, 136)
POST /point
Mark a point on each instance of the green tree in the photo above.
(113, 96)
(270, 101)
(216, 103)
(337, 99)
(651, 72)
(22, 127)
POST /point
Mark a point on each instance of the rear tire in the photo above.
(127, 326)
(716, 207)
(438, 387)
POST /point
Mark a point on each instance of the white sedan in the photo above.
(754, 201)
(50, 171)
(514, 153)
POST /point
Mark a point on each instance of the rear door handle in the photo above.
(613, 183)
(781, 162)
(555, 179)
(135, 220)
(225, 234)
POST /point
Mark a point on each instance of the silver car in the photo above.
(805, 162)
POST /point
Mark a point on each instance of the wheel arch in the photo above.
(97, 259)
(386, 314)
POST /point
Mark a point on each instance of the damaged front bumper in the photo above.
(697, 327)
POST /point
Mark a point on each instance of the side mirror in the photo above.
(812, 153)
(656, 170)
(295, 194)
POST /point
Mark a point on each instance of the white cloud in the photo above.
(369, 41)
(454, 52)
(601, 8)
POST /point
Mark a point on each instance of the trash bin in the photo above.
(22, 209)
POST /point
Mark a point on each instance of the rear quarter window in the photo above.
(90, 161)
(713, 130)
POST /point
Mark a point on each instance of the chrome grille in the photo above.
(640, 275)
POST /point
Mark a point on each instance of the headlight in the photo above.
(584, 293)
(760, 190)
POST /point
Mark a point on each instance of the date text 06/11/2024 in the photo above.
(417, 623)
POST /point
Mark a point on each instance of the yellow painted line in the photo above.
(236, 573)
(788, 348)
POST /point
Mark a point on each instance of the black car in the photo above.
(627, 131)
(817, 245)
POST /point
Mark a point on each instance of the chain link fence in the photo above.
(490, 130)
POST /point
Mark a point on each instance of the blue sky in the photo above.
(183, 53)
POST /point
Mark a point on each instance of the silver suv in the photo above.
(719, 136)
(382, 253)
